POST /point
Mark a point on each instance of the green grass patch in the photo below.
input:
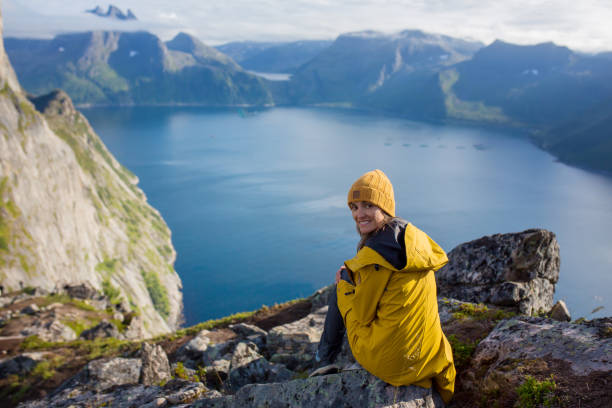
(111, 292)
(481, 312)
(66, 299)
(533, 393)
(181, 372)
(158, 293)
(118, 324)
(457, 108)
(107, 266)
(91, 349)
(79, 326)
(36, 343)
(207, 325)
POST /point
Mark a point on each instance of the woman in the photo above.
(386, 296)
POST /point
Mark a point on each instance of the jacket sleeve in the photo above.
(367, 293)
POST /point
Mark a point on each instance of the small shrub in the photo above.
(462, 352)
(201, 373)
(47, 368)
(471, 310)
(533, 393)
(179, 371)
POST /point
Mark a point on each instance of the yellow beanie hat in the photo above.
(374, 187)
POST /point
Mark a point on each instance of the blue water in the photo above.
(256, 200)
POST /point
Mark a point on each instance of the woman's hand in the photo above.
(338, 273)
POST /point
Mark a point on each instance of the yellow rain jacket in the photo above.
(391, 313)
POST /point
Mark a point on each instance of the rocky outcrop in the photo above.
(576, 356)
(518, 269)
(347, 389)
(243, 365)
(70, 213)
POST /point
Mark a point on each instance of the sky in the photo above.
(583, 25)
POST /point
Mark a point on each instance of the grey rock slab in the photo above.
(220, 350)
(246, 330)
(195, 347)
(126, 396)
(517, 269)
(104, 374)
(300, 336)
(295, 344)
(155, 366)
(244, 353)
(248, 366)
(580, 345)
(347, 389)
(218, 371)
(321, 297)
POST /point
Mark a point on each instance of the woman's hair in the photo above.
(364, 237)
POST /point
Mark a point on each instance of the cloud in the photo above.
(580, 25)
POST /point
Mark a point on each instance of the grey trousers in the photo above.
(333, 329)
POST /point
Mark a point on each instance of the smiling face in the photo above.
(367, 216)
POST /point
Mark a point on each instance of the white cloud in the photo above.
(580, 25)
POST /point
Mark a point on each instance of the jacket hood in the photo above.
(400, 246)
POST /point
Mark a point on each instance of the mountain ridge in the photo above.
(70, 213)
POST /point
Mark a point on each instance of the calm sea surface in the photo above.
(256, 200)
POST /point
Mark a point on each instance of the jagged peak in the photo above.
(112, 12)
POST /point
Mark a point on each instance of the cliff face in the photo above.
(70, 213)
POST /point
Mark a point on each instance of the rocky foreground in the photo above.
(504, 357)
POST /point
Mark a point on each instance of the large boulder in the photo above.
(104, 374)
(517, 269)
(155, 366)
(249, 366)
(347, 389)
(21, 364)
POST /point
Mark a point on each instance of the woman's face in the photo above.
(367, 216)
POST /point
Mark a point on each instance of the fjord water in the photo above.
(256, 200)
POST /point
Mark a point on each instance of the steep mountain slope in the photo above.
(70, 213)
(539, 84)
(585, 140)
(274, 57)
(564, 96)
(380, 71)
(105, 67)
